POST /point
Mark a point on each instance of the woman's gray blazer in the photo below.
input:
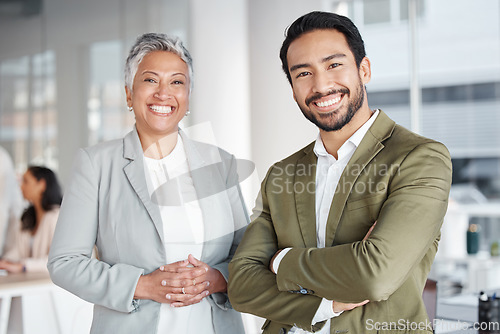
(107, 204)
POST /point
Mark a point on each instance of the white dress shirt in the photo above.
(328, 173)
(183, 234)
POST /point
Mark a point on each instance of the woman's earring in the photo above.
(130, 109)
(187, 113)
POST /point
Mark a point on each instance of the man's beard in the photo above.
(322, 120)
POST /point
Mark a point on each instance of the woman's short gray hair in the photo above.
(155, 42)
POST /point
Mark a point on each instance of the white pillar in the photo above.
(72, 128)
(219, 45)
(220, 101)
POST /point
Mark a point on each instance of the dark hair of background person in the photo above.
(51, 196)
(318, 21)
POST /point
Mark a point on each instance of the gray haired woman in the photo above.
(164, 211)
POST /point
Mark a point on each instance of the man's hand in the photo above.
(340, 307)
(369, 231)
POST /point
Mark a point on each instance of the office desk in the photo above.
(459, 311)
(33, 304)
(19, 285)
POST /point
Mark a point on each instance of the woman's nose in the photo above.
(162, 93)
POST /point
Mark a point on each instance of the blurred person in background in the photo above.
(10, 200)
(164, 211)
(31, 241)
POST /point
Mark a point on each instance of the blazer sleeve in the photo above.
(70, 264)
(408, 225)
(252, 286)
(240, 220)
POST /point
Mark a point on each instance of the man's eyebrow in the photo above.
(324, 60)
(336, 55)
(296, 67)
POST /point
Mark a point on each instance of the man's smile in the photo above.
(327, 103)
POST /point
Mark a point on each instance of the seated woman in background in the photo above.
(30, 249)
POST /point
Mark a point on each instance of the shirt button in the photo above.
(303, 291)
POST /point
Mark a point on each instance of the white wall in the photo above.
(278, 127)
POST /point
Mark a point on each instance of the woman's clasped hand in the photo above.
(181, 283)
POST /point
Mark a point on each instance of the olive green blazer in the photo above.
(395, 177)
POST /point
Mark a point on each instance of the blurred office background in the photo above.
(435, 63)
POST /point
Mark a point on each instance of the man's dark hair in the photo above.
(318, 21)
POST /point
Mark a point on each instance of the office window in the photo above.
(108, 117)
(377, 11)
(340, 7)
(403, 9)
(27, 110)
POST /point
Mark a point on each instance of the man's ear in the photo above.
(365, 70)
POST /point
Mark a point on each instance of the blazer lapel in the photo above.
(369, 147)
(134, 170)
(305, 173)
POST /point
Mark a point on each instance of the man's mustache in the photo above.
(318, 96)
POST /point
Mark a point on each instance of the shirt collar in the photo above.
(353, 141)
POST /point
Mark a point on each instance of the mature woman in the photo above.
(29, 249)
(165, 212)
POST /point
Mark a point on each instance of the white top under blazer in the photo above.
(183, 232)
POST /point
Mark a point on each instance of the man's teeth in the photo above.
(161, 109)
(328, 103)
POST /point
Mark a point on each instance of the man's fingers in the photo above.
(363, 303)
(370, 231)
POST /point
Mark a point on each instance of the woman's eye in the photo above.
(150, 80)
(178, 82)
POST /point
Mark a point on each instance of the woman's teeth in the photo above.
(161, 109)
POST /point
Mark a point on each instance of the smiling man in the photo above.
(357, 247)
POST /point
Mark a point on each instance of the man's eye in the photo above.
(150, 80)
(334, 65)
(302, 74)
(178, 82)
